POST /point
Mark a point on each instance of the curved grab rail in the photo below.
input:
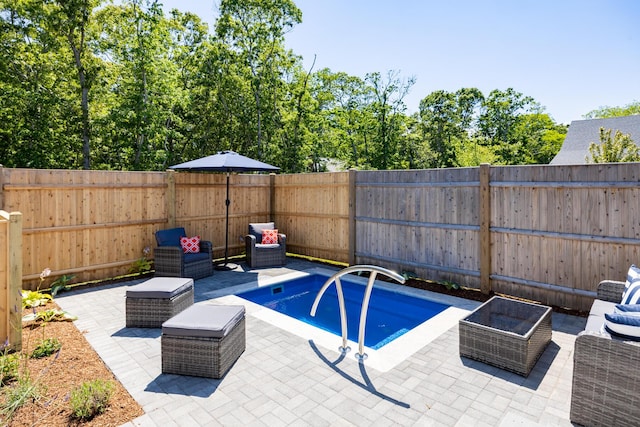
(374, 270)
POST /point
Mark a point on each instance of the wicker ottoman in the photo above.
(151, 303)
(203, 341)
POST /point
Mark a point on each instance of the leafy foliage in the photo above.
(45, 348)
(9, 364)
(123, 86)
(91, 398)
(50, 315)
(32, 299)
(620, 148)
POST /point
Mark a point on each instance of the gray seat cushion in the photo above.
(204, 320)
(596, 314)
(160, 287)
(256, 229)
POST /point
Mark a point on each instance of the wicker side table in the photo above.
(203, 341)
(506, 333)
(150, 303)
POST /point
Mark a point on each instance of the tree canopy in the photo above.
(92, 84)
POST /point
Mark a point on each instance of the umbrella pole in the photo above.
(225, 266)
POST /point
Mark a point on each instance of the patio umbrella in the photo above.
(225, 161)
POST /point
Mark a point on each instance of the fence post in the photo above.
(171, 198)
(14, 258)
(272, 197)
(485, 232)
(352, 217)
(1, 187)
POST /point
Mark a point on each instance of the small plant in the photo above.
(450, 285)
(47, 347)
(141, 265)
(91, 398)
(32, 299)
(9, 364)
(18, 394)
(61, 284)
(50, 315)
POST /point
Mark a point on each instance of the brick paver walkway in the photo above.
(282, 379)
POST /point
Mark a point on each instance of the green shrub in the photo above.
(34, 299)
(46, 348)
(90, 398)
(9, 364)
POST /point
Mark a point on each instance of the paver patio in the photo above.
(284, 379)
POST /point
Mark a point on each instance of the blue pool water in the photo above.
(390, 314)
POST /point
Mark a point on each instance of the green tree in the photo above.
(620, 148)
(388, 107)
(446, 120)
(605, 112)
(253, 31)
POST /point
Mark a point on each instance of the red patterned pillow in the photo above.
(269, 237)
(190, 245)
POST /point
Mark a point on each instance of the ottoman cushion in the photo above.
(204, 320)
(160, 287)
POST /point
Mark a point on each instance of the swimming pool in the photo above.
(390, 314)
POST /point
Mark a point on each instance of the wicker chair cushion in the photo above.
(204, 320)
(160, 287)
(631, 294)
(625, 325)
(170, 237)
(596, 315)
(270, 246)
(256, 229)
(189, 258)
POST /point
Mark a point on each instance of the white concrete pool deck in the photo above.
(288, 377)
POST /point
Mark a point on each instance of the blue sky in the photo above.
(572, 56)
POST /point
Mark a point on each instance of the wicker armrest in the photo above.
(168, 252)
(611, 290)
(282, 239)
(606, 380)
(206, 246)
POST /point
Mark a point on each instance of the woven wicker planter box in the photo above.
(151, 303)
(506, 333)
(202, 356)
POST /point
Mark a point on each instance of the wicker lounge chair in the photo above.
(606, 378)
(170, 260)
(259, 255)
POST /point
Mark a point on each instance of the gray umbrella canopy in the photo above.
(225, 161)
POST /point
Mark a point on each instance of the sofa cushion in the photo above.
(256, 228)
(631, 294)
(170, 237)
(190, 245)
(629, 309)
(201, 256)
(596, 315)
(625, 325)
(632, 275)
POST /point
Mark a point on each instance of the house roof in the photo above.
(581, 133)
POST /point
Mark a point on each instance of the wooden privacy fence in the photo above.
(548, 233)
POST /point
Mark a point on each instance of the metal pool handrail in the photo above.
(374, 270)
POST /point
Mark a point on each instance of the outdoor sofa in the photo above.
(606, 368)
